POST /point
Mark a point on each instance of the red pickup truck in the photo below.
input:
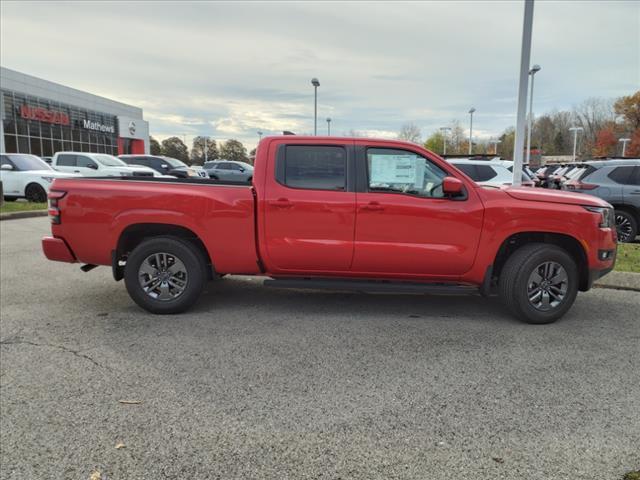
(341, 213)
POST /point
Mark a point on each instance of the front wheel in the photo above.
(35, 193)
(165, 275)
(626, 226)
(539, 283)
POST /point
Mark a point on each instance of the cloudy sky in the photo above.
(230, 69)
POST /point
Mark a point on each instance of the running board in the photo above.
(372, 286)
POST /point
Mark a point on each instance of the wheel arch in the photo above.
(625, 207)
(136, 233)
(568, 243)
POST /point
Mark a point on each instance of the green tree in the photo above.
(507, 141)
(435, 143)
(233, 150)
(175, 148)
(197, 150)
(154, 146)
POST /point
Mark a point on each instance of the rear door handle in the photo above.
(76, 171)
(281, 203)
(373, 206)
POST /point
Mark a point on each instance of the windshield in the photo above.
(174, 162)
(27, 162)
(108, 160)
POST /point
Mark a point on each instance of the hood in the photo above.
(554, 196)
(53, 173)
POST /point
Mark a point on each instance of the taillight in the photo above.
(580, 186)
(54, 211)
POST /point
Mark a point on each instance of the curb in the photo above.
(27, 214)
(620, 281)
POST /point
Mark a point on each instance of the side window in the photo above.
(65, 160)
(402, 171)
(635, 176)
(468, 170)
(315, 167)
(485, 173)
(233, 166)
(621, 175)
(85, 162)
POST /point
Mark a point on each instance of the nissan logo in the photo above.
(132, 128)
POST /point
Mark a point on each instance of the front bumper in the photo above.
(56, 249)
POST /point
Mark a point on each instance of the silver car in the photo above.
(229, 170)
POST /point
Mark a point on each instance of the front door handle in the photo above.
(281, 203)
(76, 171)
(373, 206)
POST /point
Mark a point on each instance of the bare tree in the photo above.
(410, 132)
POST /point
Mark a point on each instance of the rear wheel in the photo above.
(539, 283)
(626, 226)
(165, 275)
(35, 193)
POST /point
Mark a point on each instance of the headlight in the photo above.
(47, 179)
(607, 218)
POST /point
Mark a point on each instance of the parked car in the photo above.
(98, 165)
(325, 212)
(617, 182)
(228, 170)
(488, 172)
(161, 164)
(26, 176)
(545, 173)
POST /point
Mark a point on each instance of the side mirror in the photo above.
(92, 166)
(452, 186)
(241, 169)
(6, 166)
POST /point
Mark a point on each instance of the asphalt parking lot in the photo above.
(257, 383)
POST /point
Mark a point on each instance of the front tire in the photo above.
(35, 193)
(626, 226)
(539, 283)
(165, 275)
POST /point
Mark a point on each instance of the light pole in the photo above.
(328, 127)
(471, 129)
(205, 149)
(316, 83)
(495, 147)
(532, 72)
(624, 144)
(575, 131)
(444, 138)
(259, 136)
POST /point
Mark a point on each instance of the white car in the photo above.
(99, 165)
(27, 176)
(488, 172)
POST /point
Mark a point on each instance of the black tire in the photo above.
(10, 199)
(185, 252)
(626, 226)
(35, 193)
(515, 276)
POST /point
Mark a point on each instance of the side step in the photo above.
(371, 286)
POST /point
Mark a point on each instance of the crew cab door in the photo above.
(404, 223)
(309, 208)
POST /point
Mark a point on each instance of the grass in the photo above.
(635, 475)
(18, 206)
(628, 259)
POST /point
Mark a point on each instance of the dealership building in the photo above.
(42, 117)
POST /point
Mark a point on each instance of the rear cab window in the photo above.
(66, 160)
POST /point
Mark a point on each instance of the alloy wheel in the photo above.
(623, 228)
(547, 286)
(163, 276)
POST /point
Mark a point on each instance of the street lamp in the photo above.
(316, 83)
(444, 138)
(575, 131)
(259, 136)
(495, 148)
(532, 73)
(328, 127)
(624, 144)
(471, 129)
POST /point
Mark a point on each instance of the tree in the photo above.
(197, 150)
(633, 148)
(233, 150)
(606, 143)
(435, 142)
(629, 108)
(175, 148)
(154, 146)
(507, 142)
(410, 132)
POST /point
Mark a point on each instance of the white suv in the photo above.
(27, 176)
(488, 172)
(98, 165)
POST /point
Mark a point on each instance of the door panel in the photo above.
(415, 230)
(309, 215)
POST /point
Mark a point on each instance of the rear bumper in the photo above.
(57, 249)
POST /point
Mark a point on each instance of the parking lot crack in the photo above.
(18, 341)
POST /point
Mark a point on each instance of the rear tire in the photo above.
(166, 267)
(539, 283)
(10, 199)
(35, 193)
(626, 226)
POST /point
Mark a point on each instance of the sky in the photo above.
(228, 70)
